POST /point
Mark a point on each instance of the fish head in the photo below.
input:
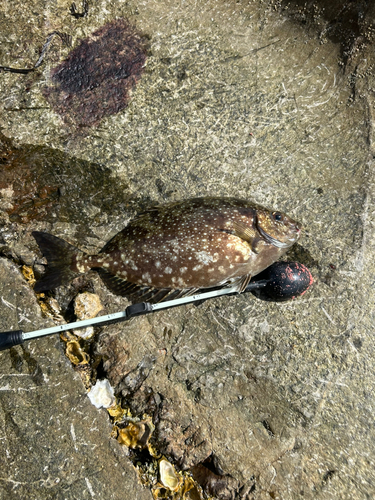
(277, 228)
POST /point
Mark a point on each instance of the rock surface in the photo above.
(54, 442)
(271, 101)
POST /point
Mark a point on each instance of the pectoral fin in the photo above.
(248, 234)
(242, 282)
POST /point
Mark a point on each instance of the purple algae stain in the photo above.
(96, 78)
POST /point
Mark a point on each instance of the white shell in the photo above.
(84, 333)
(101, 394)
(87, 305)
(168, 475)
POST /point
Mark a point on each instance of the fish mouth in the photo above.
(274, 241)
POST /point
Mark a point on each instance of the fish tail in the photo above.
(62, 259)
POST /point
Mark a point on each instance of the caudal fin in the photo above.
(61, 257)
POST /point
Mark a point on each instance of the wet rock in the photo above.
(241, 99)
(219, 486)
(96, 78)
(54, 441)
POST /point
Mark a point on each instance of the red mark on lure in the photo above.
(284, 281)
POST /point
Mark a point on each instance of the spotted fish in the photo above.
(178, 248)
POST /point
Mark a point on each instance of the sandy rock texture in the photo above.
(54, 442)
(271, 101)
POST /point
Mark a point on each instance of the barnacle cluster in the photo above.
(86, 305)
(155, 470)
(49, 305)
(77, 342)
(174, 485)
(136, 434)
(28, 274)
(75, 352)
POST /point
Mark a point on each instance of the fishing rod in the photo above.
(280, 282)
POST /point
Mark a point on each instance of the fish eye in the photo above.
(278, 216)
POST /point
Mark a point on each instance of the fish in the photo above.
(178, 248)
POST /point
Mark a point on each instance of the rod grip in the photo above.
(10, 339)
(138, 309)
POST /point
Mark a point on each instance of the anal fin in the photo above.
(117, 285)
(140, 293)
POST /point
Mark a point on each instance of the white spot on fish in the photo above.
(205, 257)
(168, 270)
(81, 267)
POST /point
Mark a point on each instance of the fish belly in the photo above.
(181, 262)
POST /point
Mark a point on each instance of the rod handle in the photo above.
(138, 309)
(10, 339)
